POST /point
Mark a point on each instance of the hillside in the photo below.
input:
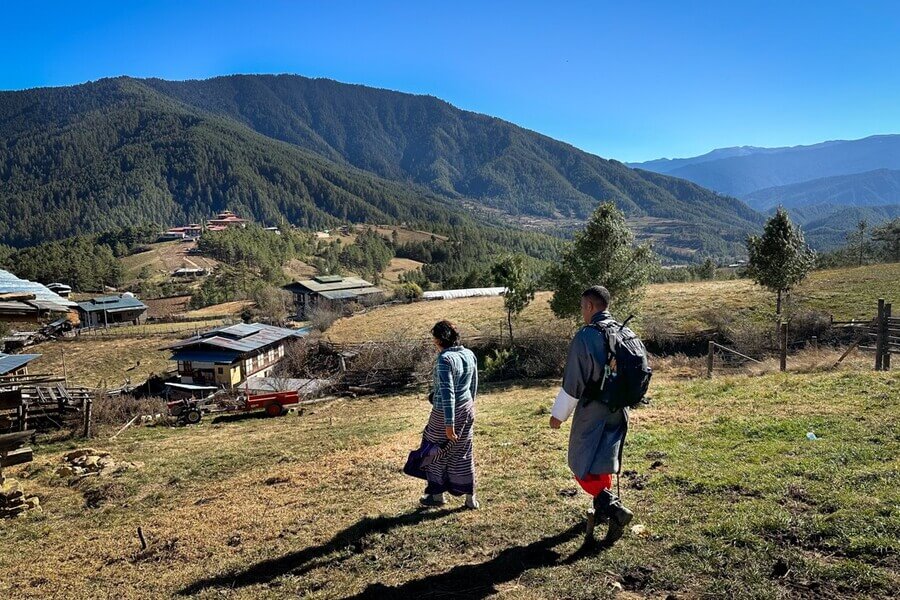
(733, 499)
(115, 153)
(123, 151)
(844, 293)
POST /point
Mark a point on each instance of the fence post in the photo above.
(88, 409)
(814, 342)
(879, 336)
(782, 334)
(886, 341)
(710, 356)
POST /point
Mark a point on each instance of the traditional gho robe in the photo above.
(598, 434)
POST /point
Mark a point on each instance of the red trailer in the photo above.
(191, 410)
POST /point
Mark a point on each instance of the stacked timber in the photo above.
(375, 381)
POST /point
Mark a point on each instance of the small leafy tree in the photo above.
(889, 235)
(857, 240)
(780, 258)
(512, 273)
(603, 253)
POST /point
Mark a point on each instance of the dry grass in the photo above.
(399, 266)
(163, 258)
(226, 309)
(315, 506)
(91, 361)
(844, 293)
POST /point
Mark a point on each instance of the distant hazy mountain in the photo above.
(872, 188)
(118, 151)
(742, 171)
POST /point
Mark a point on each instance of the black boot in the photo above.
(619, 518)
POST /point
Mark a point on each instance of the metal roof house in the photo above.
(112, 310)
(330, 291)
(23, 300)
(226, 356)
(14, 365)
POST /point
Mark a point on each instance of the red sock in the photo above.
(594, 483)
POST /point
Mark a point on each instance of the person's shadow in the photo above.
(478, 581)
(303, 561)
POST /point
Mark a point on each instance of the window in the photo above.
(221, 370)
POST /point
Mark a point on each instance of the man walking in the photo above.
(598, 433)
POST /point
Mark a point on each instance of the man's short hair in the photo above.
(597, 294)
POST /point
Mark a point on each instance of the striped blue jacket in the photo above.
(455, 380)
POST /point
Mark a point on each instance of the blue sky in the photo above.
(631, 80)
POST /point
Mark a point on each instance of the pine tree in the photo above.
(780, 258)
(512, 273)
(604, 253)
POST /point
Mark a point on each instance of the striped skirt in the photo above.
(453, 469)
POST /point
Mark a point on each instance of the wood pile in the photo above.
(376, 381)
(13, 451)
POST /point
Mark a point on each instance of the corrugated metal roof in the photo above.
(111, 304)
(201, 356)
(346, 283)
(244, 337)
(349, 294)
(11, 362)
(10, 284)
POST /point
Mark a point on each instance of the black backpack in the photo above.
(627, 383)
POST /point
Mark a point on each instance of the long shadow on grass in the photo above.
(298, 563)
(474, 582)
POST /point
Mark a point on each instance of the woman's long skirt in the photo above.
(453, 470)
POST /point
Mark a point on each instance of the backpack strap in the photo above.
(603, 327)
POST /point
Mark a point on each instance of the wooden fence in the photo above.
(887, 336)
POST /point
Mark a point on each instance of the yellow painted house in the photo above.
(226, 356)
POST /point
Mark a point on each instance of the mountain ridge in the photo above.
(313, 150)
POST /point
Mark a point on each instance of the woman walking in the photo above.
(452, 419)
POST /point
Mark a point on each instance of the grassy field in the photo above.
(399, 266)
(92, 361)
(844, 293)
(163, 258)
(734, 500)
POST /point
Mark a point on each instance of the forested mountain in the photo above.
(760, 168)
(126, 151)
(830, 231)
(873, 188)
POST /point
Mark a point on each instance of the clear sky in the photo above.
(628, 79)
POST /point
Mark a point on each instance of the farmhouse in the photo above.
(330, 291)
(23, 300)
(112, 310)
(224, 220)
(226, 356)
(15, 365)
(188, 232)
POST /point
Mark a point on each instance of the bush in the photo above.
(500, 364)
(408, 292)
(321, 318)
(118, 410)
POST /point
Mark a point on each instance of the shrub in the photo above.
(118, 410)
(321, 318)
(500, 364)
(408, 292)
